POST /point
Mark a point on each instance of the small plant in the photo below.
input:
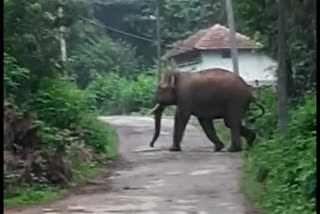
(13, 76)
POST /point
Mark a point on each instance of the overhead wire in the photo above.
(128, 34)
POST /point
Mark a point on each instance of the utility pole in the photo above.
(232, 37)
(282, 70)
(233, 44)
(158, 38)
(62, 32)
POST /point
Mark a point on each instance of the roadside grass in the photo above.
(252, 190)
(41, 194)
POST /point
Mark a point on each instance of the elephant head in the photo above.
(165, 96)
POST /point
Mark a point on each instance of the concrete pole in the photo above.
(232, 37)
(158, 38)
(63, 46)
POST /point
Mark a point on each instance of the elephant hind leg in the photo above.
(248, 134)
(235, 127)
(208, 127)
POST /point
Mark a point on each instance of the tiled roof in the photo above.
(213, 38)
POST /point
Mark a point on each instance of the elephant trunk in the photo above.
(157, 111)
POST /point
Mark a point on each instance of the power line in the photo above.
(118, 31)
(134, 35)
(131, 34)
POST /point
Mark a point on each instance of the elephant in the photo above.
(208, 95)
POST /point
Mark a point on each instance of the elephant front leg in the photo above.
(180, 121)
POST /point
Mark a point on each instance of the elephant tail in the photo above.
(262, 111)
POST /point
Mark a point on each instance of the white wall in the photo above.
(252, 66)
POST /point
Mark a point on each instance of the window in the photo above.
(226, 54)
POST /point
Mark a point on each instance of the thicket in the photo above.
(120, 95)
(280, 174)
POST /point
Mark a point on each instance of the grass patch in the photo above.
(279, 175)
(249, 185)
(31, 196)
(40, 194)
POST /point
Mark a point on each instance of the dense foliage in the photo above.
(50, 124)
(285, 169)
(97, 57)
(259, 20)
(120, 95)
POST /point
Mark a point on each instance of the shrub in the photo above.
(60, 103)
(265, 125)
(144, 89)
(119, 95)
(290, 183)
(99, 135)
(106, 91)
(13, 77)
(64, 107)
(98, 57)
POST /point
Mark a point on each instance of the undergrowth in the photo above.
(280, 174)
(66, 117)
(119, 95)
(44, 193)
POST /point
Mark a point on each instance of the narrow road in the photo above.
(156, 181)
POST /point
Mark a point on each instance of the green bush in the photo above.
(13, 77)
(64, 107)
(99, 135)
(60, 103)
(289, 167)
(265, 125)
(96, 57)
(119, 95)
(144, 90)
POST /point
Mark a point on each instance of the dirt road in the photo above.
(156, 181)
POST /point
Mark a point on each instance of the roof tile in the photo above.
(213, 38)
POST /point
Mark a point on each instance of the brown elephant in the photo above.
(209, 94)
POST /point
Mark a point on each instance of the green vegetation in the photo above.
(53, 139)
(39, 194)
(120, 95)
(279, 174)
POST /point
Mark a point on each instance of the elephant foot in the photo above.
(218, 147)
(175, 149)
(234, 149)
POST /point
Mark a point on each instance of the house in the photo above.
(210, 48)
